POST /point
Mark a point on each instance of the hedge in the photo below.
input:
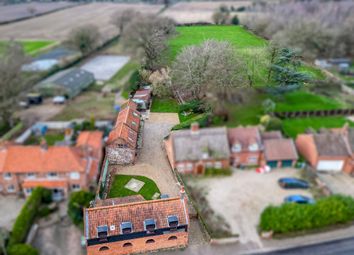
(288, 218)
(77, 201)
(22, 249)
(27, 215)
(218, 172)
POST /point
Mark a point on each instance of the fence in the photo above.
(316, 113)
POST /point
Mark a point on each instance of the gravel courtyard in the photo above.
(9, 209)
(241, 198)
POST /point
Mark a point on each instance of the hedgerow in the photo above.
(326, 212)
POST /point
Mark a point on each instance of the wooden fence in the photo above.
(317, 113)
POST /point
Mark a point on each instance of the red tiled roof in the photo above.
(120, 200)
(280, 149)
(91, 140)
(124, 132)
(143, 94)
(23, 159)
(2, 158)
(129, 103)
(135, 213)
(245, 136)
(45, 183)
(129, 116)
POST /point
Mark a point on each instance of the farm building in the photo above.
(105, 67)
(68, 83)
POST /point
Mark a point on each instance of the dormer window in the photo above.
(253, 147)
(149, 225)
(102, 232)
(236, 147)
(172, 221)
(126, 227)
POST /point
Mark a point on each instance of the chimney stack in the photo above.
(195, 128)
(182, 192)
(43, 144)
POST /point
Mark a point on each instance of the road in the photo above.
(336, 247)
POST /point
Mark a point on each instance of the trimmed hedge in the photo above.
(27, 215)
(22, 249)
(326, 212)
(218, 172)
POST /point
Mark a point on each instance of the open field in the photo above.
(15, 12)
(188, 12)
(30, 47)
(57, 26)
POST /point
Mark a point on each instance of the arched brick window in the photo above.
(104, 248)
(127, 245)
(172, 238)
(150, 241)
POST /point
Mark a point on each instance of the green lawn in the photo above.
(51, 139)
(164, 105)
(303, 101)
(119, 181)
(29, 47)
(293, 127)
(123, 75)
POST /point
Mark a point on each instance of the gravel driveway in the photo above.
(9, 209)
(152, 161)
(241, 198)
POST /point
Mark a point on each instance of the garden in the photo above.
(129, 185)
(30, 47)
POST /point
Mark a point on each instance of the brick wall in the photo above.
(243, 158)
(140, 245)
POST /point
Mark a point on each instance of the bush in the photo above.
(274, 124)
(216, 172)
(26, 217)
(194, 106)
(325, 212)
(202, 119)
(22, 249)
(77, 201)
(235, 20)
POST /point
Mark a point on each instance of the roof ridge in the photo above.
(133, 203)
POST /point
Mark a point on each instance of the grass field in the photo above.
(293, 127)
(29, 47)
(118, 190)
(164, 105)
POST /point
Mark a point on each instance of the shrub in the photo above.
(274, 124)
(216, 172)
(235, 20)
(77, 201)
(195, 106)
(325, 212)
(22, 249)
(26, 217)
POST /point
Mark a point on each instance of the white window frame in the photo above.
(75, 187)
(52, 177)
(7, 176)
(209, 164)
(75, 176)
(31, 176)
(180, 167)
(218, 164)
(253, 147)
(134, 123)
(11, 190)
(189, 166)
(252, 160)
(237, 147)
(28, 191)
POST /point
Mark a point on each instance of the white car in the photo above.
(59, 100)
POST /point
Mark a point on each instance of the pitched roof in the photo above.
(272, 135)
(189, 145)
(245, 136)
(91, 140)
(129, 103)
(142, 94)
(120, 200)
(124, 132)
(44, 183)
(135, 213)
(129, 116)
(330, 144)
(23, 159)
(280, 149)
(351, 139)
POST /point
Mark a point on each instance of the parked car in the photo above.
(34, 98)
(299, 199)
(59, 100)
(293, 183)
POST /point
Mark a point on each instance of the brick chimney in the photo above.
(182, 192)
(195, 128)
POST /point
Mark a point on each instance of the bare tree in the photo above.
(85, 38)
(121, 18)
(147, 36)
(212, 67)
(11, 82)
(220, 17)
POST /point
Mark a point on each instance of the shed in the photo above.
(68, 83)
